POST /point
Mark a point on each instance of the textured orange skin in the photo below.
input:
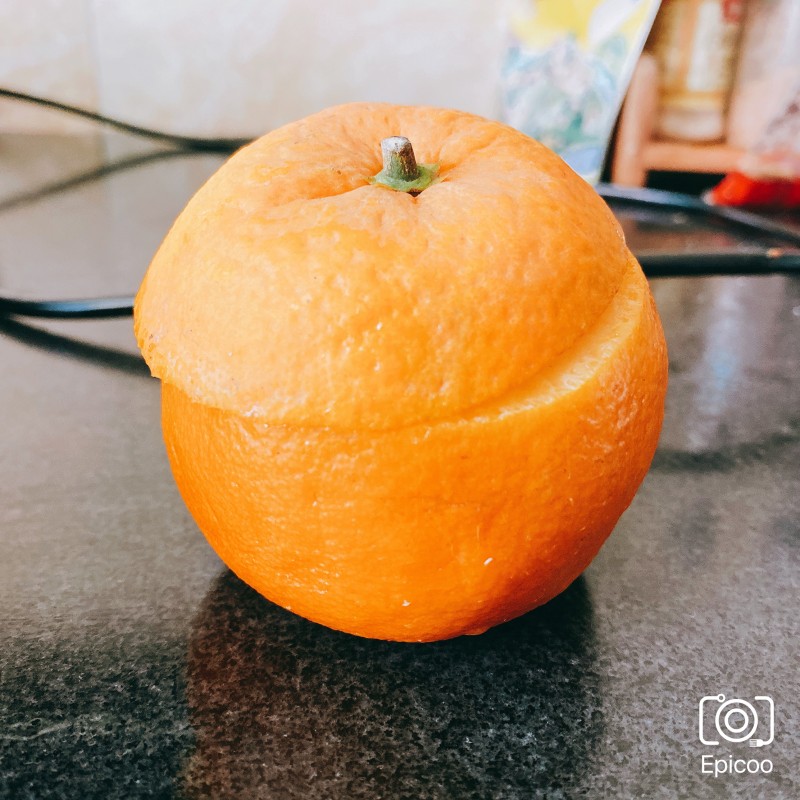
(438, 498)
(292, 290)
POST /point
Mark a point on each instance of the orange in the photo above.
(406, 416)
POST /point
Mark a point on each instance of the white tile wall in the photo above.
(245, 66)
(46, 49)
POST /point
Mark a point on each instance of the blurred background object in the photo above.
(769, 172)
(764, 117)
(566, 70)
(714, 93)
(695, 42)
(768, 69)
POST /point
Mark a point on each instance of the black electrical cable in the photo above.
(209, 145)
(66, 346)
(98, 307)
(675, 201)
(720, 262)
(104, 171)
(88, 308)
(654, 265)
(737, 262)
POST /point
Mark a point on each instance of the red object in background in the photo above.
(737, 189)
(732, 10)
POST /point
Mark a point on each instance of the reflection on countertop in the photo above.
(303, 705)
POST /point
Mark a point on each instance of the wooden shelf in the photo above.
(637, 152)
(685, 157)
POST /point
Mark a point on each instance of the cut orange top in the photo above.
(293, 291)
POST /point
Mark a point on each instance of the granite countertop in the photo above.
(133, 664)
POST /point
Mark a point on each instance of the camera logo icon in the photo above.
(736, 720)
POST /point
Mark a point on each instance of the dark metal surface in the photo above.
(132, 664)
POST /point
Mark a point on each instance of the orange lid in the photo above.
(293, 291)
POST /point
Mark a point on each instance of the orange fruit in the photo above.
(406, 416)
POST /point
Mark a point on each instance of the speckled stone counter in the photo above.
(132, 664)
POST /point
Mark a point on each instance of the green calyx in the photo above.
(400, 169)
